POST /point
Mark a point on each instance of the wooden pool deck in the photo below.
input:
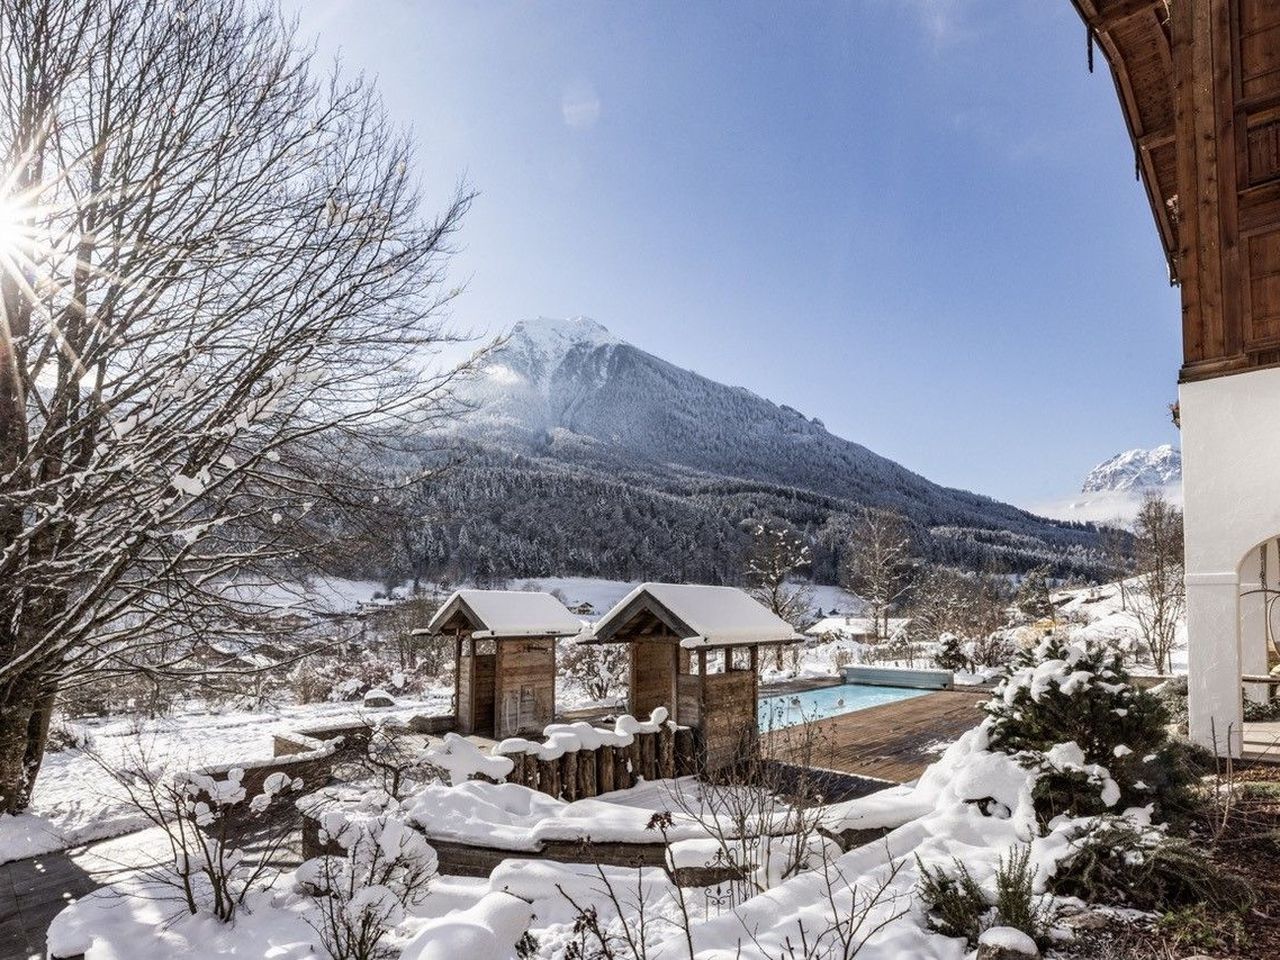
(893, 742)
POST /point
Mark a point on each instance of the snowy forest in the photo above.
(501, 514)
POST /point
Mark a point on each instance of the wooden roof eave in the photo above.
(643, 603)
(1102, 18)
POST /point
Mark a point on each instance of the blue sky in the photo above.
(914, 219)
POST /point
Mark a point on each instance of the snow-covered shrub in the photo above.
(950, 654)
(955, 902)
(1071, 711)
(1262, 712)
(393, 759)
(994, 650)
(600, 670)
(64, 735)
(1117, 859)
(206, 820)
(363, 894)
(348, 678)
(958, 906)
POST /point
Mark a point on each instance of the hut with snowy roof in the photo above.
(694, 650)
(505, 650)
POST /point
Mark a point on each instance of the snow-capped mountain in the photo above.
(626, 457)
(1136, 470)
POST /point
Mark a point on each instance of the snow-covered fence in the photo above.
(577, 760)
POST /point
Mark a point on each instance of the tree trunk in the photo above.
(17, 710)
(37, 740)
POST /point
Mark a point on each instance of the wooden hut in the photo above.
(694, 650)
(505, 649)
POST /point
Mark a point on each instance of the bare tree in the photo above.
(1160, 598)
(878, 565)
(601, 669)
(776, 554)
(1117, 548)
(218, 305)
(945, 600)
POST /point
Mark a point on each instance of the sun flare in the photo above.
(11, 227)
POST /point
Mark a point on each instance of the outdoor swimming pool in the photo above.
(788, 709)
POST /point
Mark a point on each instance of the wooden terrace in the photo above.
(893, 742)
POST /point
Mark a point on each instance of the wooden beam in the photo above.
(1117, 13)
(1155, 139)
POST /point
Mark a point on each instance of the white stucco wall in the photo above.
(1231, 498)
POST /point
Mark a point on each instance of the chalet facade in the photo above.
(505, 653)
(694, 650)
(1199, 85)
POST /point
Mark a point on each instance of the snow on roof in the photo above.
(510, 613)
(717, 616)
(854, 626)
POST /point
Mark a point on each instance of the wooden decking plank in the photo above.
(892, 741)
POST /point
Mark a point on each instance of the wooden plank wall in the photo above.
(688, 700)
(482, 693)
(525, 667)
(729, 726)
(1227, 95)
(653, 676)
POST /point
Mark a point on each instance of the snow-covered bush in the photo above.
(349, 678)
(600, 670)
(958, 906)
(393, 759)
(994, 650)
(64, 735)
(206, 820)
(364, 893)
(950, 654)
(1117, 859)
(1071, 711)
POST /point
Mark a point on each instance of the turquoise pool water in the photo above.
(789, 709)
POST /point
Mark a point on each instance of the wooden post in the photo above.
(666, 752)
(636, 768)
(569, 775)
(517, 769)
(686, 752)
(549, 777)
(604, 769)
(457, 680)
(648, 756)
(587, 774)
(529, 770)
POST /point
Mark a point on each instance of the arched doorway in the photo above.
(1259, 575)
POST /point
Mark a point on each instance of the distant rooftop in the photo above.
(854, 626)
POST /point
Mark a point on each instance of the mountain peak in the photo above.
(1136, 469)
(558, 334)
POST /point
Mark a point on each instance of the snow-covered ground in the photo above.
(77, 801)
(1105, 615)
(935, 823)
